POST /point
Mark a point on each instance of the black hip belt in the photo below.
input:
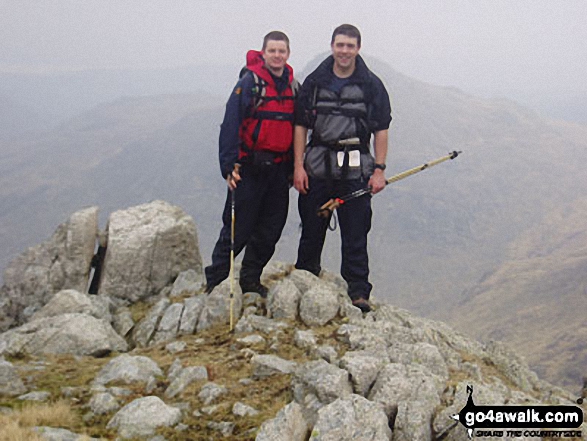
(344, 145)
(264, 158)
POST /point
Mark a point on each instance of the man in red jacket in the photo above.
(256, 134)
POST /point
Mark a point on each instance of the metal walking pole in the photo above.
(232, 203)
(328, 208)
(231, 274)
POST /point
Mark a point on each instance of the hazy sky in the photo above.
(477, 45)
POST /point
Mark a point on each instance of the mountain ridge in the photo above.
(515, 303)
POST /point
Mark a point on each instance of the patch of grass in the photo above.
(11, 430)
(226, 364)
(65, 370)
(488, 371)
(217, 349)
(267, 397)
(17, 425)
(139, 310)
(58, 414)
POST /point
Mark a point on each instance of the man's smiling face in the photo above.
(275, 55)
(345, 50)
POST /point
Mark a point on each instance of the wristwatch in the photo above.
(380, 166)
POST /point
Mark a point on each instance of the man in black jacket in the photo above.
(342, 103)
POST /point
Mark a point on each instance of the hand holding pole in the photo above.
(234, 177)
(328, 208)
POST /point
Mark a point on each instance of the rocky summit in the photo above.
(148, 355)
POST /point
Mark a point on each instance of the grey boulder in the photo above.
(184, 378)
(77, 334)
(142, 417)
(169, 324)
(57, 434)
(61, 262)
(70, 301)
(210, 392)
(217, 304)
(288, 425)
(363, 368)
(161, 242)
(144, 331)
(191, 313)
(128, 369)
(103, 403)
(353, 418)
(319, 305)
(326, 381)
(268, 365)
(284, 300)
(188, 282)
(10, 383)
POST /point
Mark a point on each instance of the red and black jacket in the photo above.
(259, 115)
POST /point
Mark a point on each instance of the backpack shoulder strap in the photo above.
(259, 89)
(295, 87)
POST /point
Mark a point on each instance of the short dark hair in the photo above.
(277, 36)
(348, 30)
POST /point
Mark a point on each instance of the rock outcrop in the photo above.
(148, 247)
(144, 250)
(304, 364)
(62, 262)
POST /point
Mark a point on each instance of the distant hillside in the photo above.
(537, 299)
(62, 95)
(131, 150)
(452, 223)
(434, 235)
(17, 119)
(566, 105)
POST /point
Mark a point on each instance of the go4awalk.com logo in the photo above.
(517, 421)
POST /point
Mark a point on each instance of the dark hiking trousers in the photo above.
(354, 219)
(261, 204)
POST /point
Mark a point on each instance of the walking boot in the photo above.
(362, 304)
(257, 287)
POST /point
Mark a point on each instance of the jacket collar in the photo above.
(325, 71)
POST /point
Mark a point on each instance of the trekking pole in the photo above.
(231, 276)
(328, 208)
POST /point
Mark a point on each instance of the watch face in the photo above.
(380, 166)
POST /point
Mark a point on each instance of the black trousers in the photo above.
(261, 205)
(354, 218)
